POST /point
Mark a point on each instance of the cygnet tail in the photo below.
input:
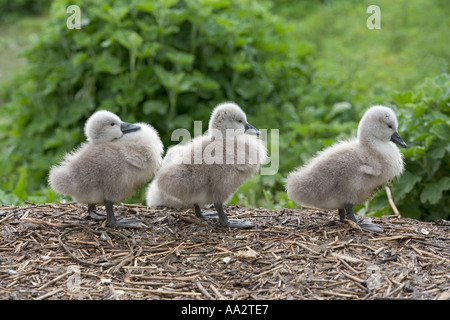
(299, 189)
(59, 180)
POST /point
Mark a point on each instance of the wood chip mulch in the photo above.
(55, 251)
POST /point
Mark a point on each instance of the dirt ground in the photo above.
(55, 251)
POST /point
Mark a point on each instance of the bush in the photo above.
(9, 10)
(423, 190)
(165, 62)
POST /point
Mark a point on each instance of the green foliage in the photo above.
(163, 62)
(12, 9)
(423, 190)
(311, 74)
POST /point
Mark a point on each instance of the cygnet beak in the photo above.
(129, 127)
(249, 129)
(398, 140)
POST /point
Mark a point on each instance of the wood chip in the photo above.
(289, 254)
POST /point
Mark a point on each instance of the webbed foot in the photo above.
(92, 210)
(239, 223)
(232, 223)
(112, 221)
(126, 223)
(367, 224)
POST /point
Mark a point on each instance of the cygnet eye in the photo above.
(390, 127)
(112, 123)
(240, 121)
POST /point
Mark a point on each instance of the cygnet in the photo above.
(210, 168)
(350, 172)
(110, 167)
(154, 196)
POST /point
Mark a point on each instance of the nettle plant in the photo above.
(423, 190)
(165, 62)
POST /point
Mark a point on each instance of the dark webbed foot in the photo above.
(112, 221)
(92, 210)
(232, 223)
(364, 224)
(223, 219)
(238, 223)
(205, 215)
(127, 223)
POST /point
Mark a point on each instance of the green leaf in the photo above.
(107, 63)
(403, 97)
(442, 131)
(129, 39)
(8, 198)
(180, 58)
(433, 191)
(410, 209)
(405, 184)
(146, 6)
(19, 190)
(78, 58)
(172, 80)
(154, 106)
(431, 89)
(168, 3)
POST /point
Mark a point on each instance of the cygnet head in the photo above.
(229, 116)
(104, 126)
(379, 123)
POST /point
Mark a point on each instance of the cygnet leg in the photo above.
(364, 224)
(92, 210)
(198, 212)
(349, 212)
(342, 214)
(112, 221)
(208, 214)
(232, 223)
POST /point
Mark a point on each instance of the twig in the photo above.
(391, 201)
(271, 270)
(218, 294)
(307, 248)
(400, 287)
(110, 264)
(203, 290)
(45, 296)
(54, 280)
(40, 221)
(127, 259)
(397, 237)
(181, 293)
(7, 216)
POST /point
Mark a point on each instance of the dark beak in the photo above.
(249, 129)
(129, 127)
(398, 140)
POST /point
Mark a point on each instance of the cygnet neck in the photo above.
(384, 148)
